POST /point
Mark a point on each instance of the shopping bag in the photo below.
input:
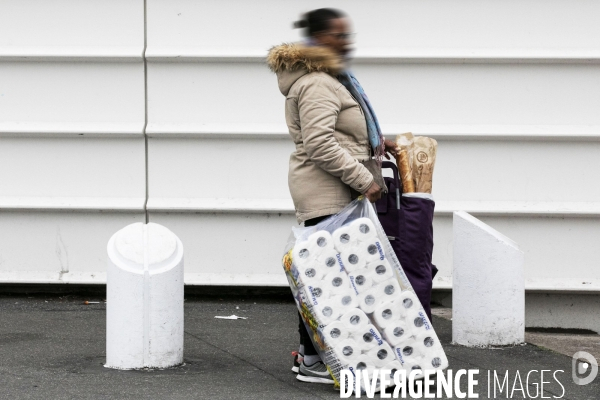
(407, 219)
(354, 298)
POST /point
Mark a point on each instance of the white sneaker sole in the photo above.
(296, 369)
(314, 379)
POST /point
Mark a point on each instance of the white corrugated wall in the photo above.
(114, 109)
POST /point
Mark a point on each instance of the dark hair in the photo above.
(316, 21)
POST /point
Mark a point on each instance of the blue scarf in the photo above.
(350, 82)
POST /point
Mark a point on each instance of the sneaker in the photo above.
(298, 358)
(316, 373)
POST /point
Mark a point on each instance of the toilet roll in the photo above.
(354, 320)
(388, 290)
(430, 358)
(316, 293)
(344, 301)
(430, 350)
(386, 314)
(413, 364)
(363, 229)
(348, 351)
(335, 333)
(326, 312)
(354, 258)
(368, 338)
(407, 352)
(374, 250)
(336, 282)
(341, 239)
(309, 273)
(427, 340)
(415, 320)
(438, 361)
(308, 251)
(322, 240)
(368, 300)
(380, 271)
(304, 253)
(328, 262)
(362, 362)
(397, 333)
(381, 355)
(361, 280)
(409, 300)
(359, 230)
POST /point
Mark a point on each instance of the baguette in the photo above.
(424, 153)
(404, 161)
(405, 168)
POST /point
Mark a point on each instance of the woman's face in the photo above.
(338, 37)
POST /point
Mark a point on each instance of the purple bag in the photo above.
(408, 223)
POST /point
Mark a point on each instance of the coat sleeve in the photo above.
(318, 108)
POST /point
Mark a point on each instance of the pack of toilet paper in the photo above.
(355, 298)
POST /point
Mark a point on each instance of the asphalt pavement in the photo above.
(53, 347)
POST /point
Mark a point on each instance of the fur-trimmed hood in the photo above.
(290, 61)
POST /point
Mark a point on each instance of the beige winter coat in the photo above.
(327, 126)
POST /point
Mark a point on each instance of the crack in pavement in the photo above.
(255, 366)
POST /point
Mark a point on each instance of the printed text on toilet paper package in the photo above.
(449, 384)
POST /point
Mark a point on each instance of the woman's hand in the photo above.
(391, 147)
(373, 193)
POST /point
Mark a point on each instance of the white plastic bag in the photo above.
(356, 301)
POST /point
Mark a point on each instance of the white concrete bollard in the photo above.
(488, 289)
(144, 310)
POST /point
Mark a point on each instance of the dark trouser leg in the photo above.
(309, 348)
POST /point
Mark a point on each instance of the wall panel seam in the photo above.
(146, 177)
(392, 56)
(443, 208)
(532, 285)
(564, 132)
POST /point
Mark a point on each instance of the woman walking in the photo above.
(339, 145)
